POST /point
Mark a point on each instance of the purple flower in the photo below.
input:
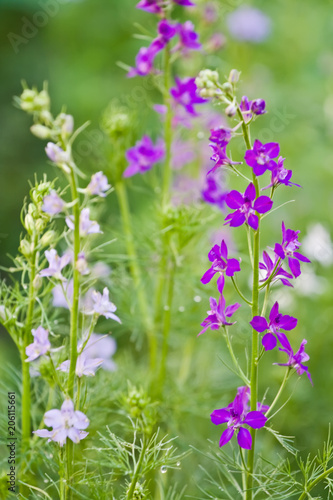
(84, 365)
(220, 157)
(152, 6)
(236, 415)
(280, 274)
(277, 321)
(102, 347)
(249, 24)
(218, 314)
(245, 211)
(87, 226)
(289, 247)
(185, 3)
(40, 346)
(185, 94)
(260, 158)
(57, 154)
(245, 107)
(53, 204)
(295, 359)
(258, 106)
(213, 193)
(65, 423)
(56, 264)
(98, 185)
(188, 38)
(143, 156)
(280, 175)
(220, 136)
(145, 59)
(102, 306)
(166, 31)
(218, 255)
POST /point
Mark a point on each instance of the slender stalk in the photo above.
(136, 271)
(167, 324)
(62, 474)
(313, 483)
(239, 292)
(233, 357)
(167, 172)
(284, 381)
(137, 471)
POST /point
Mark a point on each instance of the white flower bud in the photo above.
(231, 110)
(40, 131)
(29, 223)
(234, 76)
(48, 238)
(25, 248)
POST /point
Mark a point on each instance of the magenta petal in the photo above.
(244, 438)
(288, 322)
(220, 416)
(255, 419)
(295, 267)
(224, 250)
(269, 341)
(278, 249)
(272, 149)
(234, 199)
(301, 257)
(259, 324)
(253, 221)
(263, 204)
(237, 219)
(230, 310)
(226, 436)
(250, 192)
(208, 276)
(220, 283)
(233, 267)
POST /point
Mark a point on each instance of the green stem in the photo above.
(78, 393)
(167, 324)
(233, 357)
(167, 172)
(136, 271)
(137, 471)
(313, 483)
(240, 293)
(62, 474)
(264, 306)
(284, 381)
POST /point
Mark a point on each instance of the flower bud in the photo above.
(29, 223)
(234, 76)
(231, 110)
(42, 100)
(117, 123)
(37, 283)
(26, 100)
(207, 79)
(227, 87)
(48, 238)
(41, 131)
(40, 225)
(25, 248)
(65, 123)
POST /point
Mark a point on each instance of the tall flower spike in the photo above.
(288, 249)
(245, 208)
(218, 314)
(218, 255)
(277, 322)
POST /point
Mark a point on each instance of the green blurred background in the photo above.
(76, 51)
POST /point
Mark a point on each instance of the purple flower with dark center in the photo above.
(152, 6)
(220, 157)
(218, 255)
(213, 193)
(260, 158)
(289, 247)
(87, 226)
(56, 264)
(98, 185)
(245, 208)
(218, 314)
(281, 175)
(188, 37)
(143, 156)
(236, 415)
(185, 94)
(65, 423)
(277, 321)
(295, 359)
(53, 204)
(102, 306)
(166, 31)
(279, 274)
(258, 107)
(249, 24)
(220, 136)
(40, 346)
(84, 365)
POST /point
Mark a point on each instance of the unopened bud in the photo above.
(40, 225)
(25, 248)
(48, 238)
(227, 87)
(29, 223)
(231, 110)
(234, 76)
(207, 79)
(41, 131)
(37, 283)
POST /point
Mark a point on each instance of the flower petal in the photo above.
(259, 324)
(244, 438)
(255, 419)
(226, 436)
(220, 416)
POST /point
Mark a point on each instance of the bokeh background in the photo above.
(76, 49)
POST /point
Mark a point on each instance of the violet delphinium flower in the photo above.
(213, 193)
(59, 299)
(220, 136)
(53, 204)
(98, 185)
(40, 346)
(188, 37)
(260, 157)
(218, 255)
(279, 273)
(152, 6)
(289, 247)
(87, 226)
(277, 321)
(280, 175)
(245, 208)
(57, 154)
(185, 94)
(166, 31)
(102, 306)
(143, 156)
(220, 157)
(56, 264)
(236, 415)
(184, 3)
(258, 107)
(249, 24)
(102, 347)
(84, 365)
(295, 359)
(144, 60)
(218, 314)
(65, 423)
(245, 107)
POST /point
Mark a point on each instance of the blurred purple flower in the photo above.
(213, 193)
(182, 153)
(57, 154)
(166, 31)
(249, 24)
(152, 6)
(143, 156)
(56, 264)
(218, 314)
(145, 59)
(98, 185)
(66, 423)
(220, 136)
(84, 365)
(277, 321)
(236, 415)
(40, 346)
(53, 204)
(87, 226)
(245, 208)
(220, 157)
(260, 157)
(102, 306)
(216, 42)
(188, 38)
(295, 359)
(210, 13)
(289, 247)
(185, 95)
(102, 347)
(185, 3)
